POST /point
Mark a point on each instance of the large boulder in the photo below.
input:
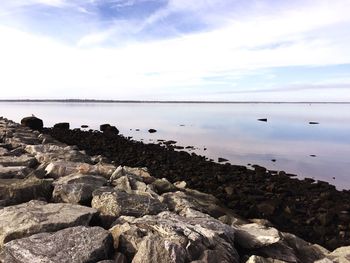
(15, 191)
(112, 203)
(168, 237)
(37, 216)
(23, 160)
(32, 122)
(77, 188)
(71, 245)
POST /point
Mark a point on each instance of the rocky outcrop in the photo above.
(37, 216)
(33, 123)
(71, 245)
(168, 237)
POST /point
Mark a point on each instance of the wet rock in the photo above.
(112, 203)
(33, 123)
(168, 237)
(62, 125)
(37, 216)
(15, 191)
(75, 244)
(23, 160)
(152, 130)
(77, 188)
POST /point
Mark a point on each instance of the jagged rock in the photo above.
(140, 174)
(252, 236)
(50, 152)
(58, 169)
(15, 191)
(257, 259)
(132, 184)
(3, 151)
(62, 125)
(71, 245)
(37, 216)
(32, 122)
(180, 184)
(340, 255)
(112, 203)
(180, 200)
(163, 186)
(168, 237)
(77, 188)
(18, 172)
(23, 160)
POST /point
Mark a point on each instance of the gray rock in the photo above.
(140, 174)
(15, 191)
(37, 216)
(162, 186)
(77, 188)
(340, 255)
(168, 237)
(257, 259)
(71, 245)
(18, 172)
(23, 160)
(112, 203)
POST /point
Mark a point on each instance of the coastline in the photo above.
(118, 202)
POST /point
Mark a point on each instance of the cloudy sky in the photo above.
(237, 50)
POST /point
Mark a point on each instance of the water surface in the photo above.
(225, 130)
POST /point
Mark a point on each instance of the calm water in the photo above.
(226, 130)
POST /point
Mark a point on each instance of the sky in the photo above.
(205, 50)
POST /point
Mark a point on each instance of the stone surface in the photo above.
(168, 237)
(257, 259)
(15, 191)
(71, 245)
(18, 172)
(162, 186)
(77, 188)
(23, 160)
(32, 122)
(112, 203)
(37, 216)
(62, 125)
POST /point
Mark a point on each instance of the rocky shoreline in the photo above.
(60, 204)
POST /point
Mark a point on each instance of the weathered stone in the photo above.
(112, 203)
(163, 186)
(62, 125)
(252, 236)
(15, 191)
(33, 123)
(168, 237)
(23, 160)
(180, 184)
(18, 172)
(3, 151)
(340, 255)
(75, 244)
(37, 216)
(58, 169)
(77, 188)
(257, 259)
(140, 174)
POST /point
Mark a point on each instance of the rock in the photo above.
(168, 237)
(112, 203)
(17, 172)
(140, 174)
(180, 184)
(220, 160)
(62, 125)
(313, 122)
(37, 216)
(263, 119)
(75, 244)
(58, 169)
(152, 130)
(23, 160)
(103, 127)
(84, 126)
(341, 255)
(252, 236)
(33, 123)
(257, 259)
(107, 128)
(163, 186)
(15, 191)
(77, 188)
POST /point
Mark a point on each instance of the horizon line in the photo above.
(171, 101)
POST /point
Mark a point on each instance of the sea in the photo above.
(286, 141)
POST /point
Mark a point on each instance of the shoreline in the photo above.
(113, 212)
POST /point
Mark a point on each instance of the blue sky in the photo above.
(261, 50)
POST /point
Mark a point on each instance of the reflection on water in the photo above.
(226, 130)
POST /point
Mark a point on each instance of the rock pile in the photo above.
(70, 207)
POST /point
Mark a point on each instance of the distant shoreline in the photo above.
(168, 101)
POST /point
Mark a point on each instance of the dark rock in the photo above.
(152, 130)
(84, 126)
(220, 160)
(103, 127)
(273, 160)
(62, 125)
(263, 119)
(32, 122)
(75, 245)
(313, 122)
